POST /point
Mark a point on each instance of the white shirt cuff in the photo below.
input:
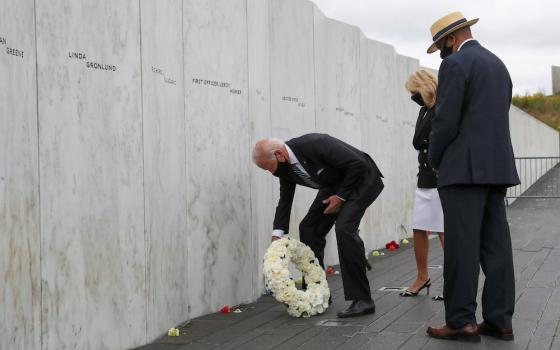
(278, 233)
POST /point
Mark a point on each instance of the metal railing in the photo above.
(540, 178)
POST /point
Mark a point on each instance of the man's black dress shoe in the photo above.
(358, 308)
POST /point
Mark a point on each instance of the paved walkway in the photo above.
(400, 323)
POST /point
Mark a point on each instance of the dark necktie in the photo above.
(304, 177)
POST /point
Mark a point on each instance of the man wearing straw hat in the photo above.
(470, 147)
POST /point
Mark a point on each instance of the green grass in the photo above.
(544, 108)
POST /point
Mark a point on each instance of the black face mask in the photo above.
(282, 170)
(445, 51)
(418, 99)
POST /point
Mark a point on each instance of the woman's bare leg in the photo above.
(421, 247)
(442, 241)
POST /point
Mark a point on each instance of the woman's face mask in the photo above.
(418, 99)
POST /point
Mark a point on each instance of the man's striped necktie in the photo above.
(303, 176)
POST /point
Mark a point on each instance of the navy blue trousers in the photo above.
(477, 235)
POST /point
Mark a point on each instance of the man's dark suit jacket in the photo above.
(331, 163)
(470, 141)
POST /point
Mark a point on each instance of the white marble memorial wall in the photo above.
(532, 138)
(371, 226)
(262, 182)
(220, 262)
(93, 253)
(378, 81)
(165, 164)
(406, 113)
(523, 129)
(20, 290)
(337, 90)
(292, 85)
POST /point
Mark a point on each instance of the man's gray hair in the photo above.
(264, 149)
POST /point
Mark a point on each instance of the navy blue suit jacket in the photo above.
(470, 142)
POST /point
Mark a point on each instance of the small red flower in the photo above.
(330, 270)
(392, 245)
(225, 309)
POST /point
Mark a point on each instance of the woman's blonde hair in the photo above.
(425, 83)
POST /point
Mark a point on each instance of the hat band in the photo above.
(454, 24)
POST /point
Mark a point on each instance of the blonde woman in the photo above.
(428, 214)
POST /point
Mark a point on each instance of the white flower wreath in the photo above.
(315, 300)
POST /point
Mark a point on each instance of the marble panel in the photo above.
(91, 179)
(378, 102)
(262, 208)
(337, 89)
(292, 90)
(219, 165)
(531, 138)
(20, 293)
(406, 113)
(337, 83)
(165, 180)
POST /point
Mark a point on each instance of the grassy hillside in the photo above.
(544, 108)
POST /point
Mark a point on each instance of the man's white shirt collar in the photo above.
(463, 43)
(293, 159)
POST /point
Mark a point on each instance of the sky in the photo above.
(524, 34)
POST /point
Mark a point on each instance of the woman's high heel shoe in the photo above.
(409, 293)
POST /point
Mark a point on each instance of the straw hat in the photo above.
(447, 25)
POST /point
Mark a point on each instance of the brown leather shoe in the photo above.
(499, 333)
(469, 333)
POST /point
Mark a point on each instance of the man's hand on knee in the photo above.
(333, 204)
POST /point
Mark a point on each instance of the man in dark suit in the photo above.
(348, 182)
(470, 147)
